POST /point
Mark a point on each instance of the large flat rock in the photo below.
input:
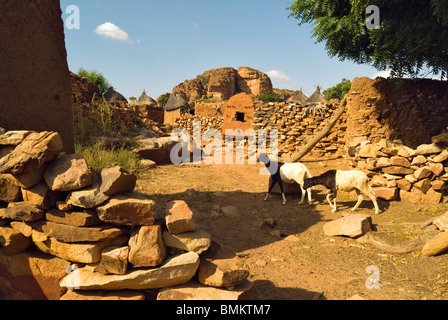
(175, 271)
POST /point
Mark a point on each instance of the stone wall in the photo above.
(35, 87)
(409, 110)
(296, 128)
(83, 91)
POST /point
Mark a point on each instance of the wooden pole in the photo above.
(325, 131)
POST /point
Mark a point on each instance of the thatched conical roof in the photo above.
(298, 97)
(175, 102)
(317, 97)
(145, 99)
(113, 96)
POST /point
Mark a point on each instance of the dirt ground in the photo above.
(295, 260)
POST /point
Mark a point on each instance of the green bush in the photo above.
(100, 157)
(95, 77)
(338, 91)
(270, 96)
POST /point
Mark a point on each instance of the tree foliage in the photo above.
(412, 36)
(95, 77)
(338, 91)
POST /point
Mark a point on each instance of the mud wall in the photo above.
(35, 89)
(411, 110)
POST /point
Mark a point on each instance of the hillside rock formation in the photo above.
(223, 83)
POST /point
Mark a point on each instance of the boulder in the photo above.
(14, 241)
(124, 295)
(400, 161)
(114, 260)
(382, 163)
(443, 156)
(436, 245)
(179, 218)
(368, 151)
(396, 170)
(419, 160)
(31, 275)
(73, 218)
(386, 193)
(90, 197)
(196, 291)
(25, 180)
(71, 234)
(353, 226)
(31, 155)
(424, 185)
(75, 252)
(131, 209)
(196, 241)
(441, 222)
(9, 192)
(441, 139)
(14, 138)
(223, 269)
(24, 211)
(413, 196)
(41, 196)
(422, 173)
(146, 247)
(437, 169)
(427, 149)
(68, 173)
(438, 185)
(116, 180)
(175, 271)
(404, 184)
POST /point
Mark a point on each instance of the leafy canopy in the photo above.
(412, 36)
(95, 77)
(338, 91)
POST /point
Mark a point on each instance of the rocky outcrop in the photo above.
(223, 83)
(252, 81)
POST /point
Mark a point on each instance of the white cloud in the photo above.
(109, 30)
(382, 74)
(195, 25)
(280, 76)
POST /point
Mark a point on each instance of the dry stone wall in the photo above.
(89, 232)
(411, 110)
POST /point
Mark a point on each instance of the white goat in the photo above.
(288, 173)
(345, 181)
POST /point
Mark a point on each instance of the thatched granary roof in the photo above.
(113, 96)
(175, 102)
(145, 99)
(317, 97)
(298, 97)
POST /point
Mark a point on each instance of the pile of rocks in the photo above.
(105, 235)
(296, 128)
(398, 172)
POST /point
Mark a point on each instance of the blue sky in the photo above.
(155, 45)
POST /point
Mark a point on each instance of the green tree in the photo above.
(412, 37)
(96, 78)
(338, 91)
